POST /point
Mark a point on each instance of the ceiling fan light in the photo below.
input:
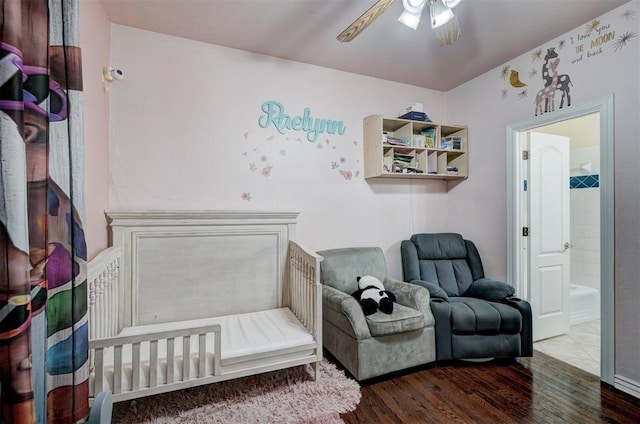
(412, 20)
(451, 3)
(449, 33)
(439, 13)
(414, 6)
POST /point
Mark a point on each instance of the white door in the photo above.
(549, 221)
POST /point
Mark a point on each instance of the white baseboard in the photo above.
(628, 386)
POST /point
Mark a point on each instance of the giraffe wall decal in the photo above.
(547, 95)
(562, 83)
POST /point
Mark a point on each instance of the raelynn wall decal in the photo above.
(274, 115)
(276, 150)
(555, 63)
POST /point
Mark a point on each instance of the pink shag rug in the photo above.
(286, 396)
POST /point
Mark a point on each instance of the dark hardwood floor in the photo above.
(532, 390)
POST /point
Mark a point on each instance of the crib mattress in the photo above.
(275, 331)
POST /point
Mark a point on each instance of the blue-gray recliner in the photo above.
(475, 317)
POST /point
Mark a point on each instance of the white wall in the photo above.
(185, 135)
(95, 30)
(488, 104)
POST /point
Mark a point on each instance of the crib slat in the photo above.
(153, 363)
(299, 278)
(92, 309)
(170, 360)
(117, 322)
(99, 371)
(299, 281)
(186, 357)
(114, 273)
(293, 278)
(309, 303)
(301, 270)
(99, 306)
(303, 289)
(202, 355)
(117, 369)
(135, 367)
(217, 343)
(107, 300)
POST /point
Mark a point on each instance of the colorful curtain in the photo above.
(43, 289)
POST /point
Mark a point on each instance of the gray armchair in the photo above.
(379, 343)
(476, 317)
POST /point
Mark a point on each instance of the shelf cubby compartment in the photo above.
(402, 159)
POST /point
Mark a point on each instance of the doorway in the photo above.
(576, 340)
(519, 261)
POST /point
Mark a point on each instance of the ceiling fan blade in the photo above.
(365, 20)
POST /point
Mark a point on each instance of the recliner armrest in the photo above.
(411, 296)
(347, 305)
(488, 289)
(435, 291)
(526, 333)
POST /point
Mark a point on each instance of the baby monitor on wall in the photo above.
(111, 74)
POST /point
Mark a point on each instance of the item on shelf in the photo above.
(387, 164)
(451, 142)
(402, 162)
(402, 158)
(419, 140)
(397, 168)
(452, 170)
(416, 107)
(430, 137)
(415, 116)
(400, 169)
(398, 141)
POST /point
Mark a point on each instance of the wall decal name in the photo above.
(275, 115)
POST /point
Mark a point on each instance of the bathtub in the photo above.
(585, 304)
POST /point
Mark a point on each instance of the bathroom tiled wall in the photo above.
(585, 217)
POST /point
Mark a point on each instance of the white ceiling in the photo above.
(493, 32)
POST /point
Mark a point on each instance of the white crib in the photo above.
(185, 298)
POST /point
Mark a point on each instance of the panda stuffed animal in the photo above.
(372, 295)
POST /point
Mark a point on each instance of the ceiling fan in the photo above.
(440, 13)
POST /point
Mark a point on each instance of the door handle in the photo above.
(567, 245)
